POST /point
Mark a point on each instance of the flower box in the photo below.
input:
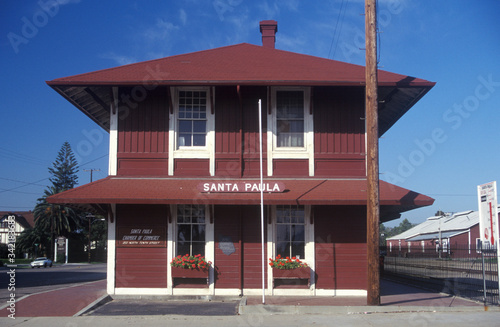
(290, 274)
(300, 273)
(189, 273)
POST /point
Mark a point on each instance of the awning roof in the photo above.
(134, 190)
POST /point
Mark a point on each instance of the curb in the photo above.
(95, 304)
(281, 309)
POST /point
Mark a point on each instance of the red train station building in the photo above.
(184, 168)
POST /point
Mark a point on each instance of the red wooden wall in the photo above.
(340, 235)
(141, 266)
(143, 133)
(239, 223)
(338, 123)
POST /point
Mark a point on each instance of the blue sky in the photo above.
(444, 147)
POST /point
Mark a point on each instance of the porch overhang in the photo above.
(97, 196)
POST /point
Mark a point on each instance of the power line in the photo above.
(335, 34)
(34, 183)
(17, 181)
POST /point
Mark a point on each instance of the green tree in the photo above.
(64, 169)
(56, 218)
(34, 241)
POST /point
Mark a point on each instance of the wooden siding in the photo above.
(143, 132)
(192, 167)
(239, 222)
(339, 131)
(252, 249)
(228, 227)
(340, 235)
(141, 266)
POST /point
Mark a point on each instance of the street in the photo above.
(29, 281)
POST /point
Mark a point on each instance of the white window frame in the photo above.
(310, 258)
(191, 152)
(305, 152)
(209, 248)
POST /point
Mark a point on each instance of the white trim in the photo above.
(141, 291)
(236, 292)
(170, 245)
(209, 248)
(325, 292)
(111, 251)
(228, 292)
(310, 255)
(113, 134)
(192, 291)
(306, 152)
(293, 292)
(205, 152)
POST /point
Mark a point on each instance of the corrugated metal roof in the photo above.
(433, 236)
(455, 223)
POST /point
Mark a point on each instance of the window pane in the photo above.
(183, 248)
(283, 249)
(199, 140)
(298, 250)
(198, 248)
(185, 126)
(198, 233)
(183, 233)
(283, 232)
(199, 126)
(184, 139)
(298, 233)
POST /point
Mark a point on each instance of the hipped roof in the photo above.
(240, 64)
(134, 190)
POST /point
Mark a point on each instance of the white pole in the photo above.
(262, 204)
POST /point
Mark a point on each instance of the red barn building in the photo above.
(184, 167)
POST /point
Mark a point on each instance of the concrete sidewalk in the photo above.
(79, 300)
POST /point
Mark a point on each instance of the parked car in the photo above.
(41, 262)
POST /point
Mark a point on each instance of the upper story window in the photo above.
(290, 119)
(192, 125)
(290, 127)
(192, 119)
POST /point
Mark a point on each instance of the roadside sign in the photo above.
(488, 216)
(488, 219)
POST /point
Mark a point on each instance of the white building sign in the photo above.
(488, 216)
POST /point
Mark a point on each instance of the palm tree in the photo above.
(57, 219)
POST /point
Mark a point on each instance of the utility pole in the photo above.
(91, 171)
(372, 155)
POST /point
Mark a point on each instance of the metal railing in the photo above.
(463, 271)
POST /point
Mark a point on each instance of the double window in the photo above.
(190, 230)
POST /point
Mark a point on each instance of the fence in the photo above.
(454, 270)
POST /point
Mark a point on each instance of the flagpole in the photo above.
(262, 205)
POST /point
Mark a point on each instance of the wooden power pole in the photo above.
(372, 154)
